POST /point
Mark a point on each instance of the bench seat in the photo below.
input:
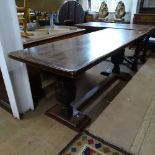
(126, 120)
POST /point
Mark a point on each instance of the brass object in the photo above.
(120, 11)
(103, 11)
(24, 8)
(42, 5)
(38, 5)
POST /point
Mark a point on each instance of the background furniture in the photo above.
(4, 100)
(71, 13)
(24, 8)
(43, 5)
(143, 18)
(146, 19)
(42, 36)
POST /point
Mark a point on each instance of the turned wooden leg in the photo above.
(136, 56)
(145, 48)
(117, 59)
(65, 91)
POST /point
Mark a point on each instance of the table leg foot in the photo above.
(124, 76)
(65, 91)
(77, 121)
(117, 59)
(106, 73)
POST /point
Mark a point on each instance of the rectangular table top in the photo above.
(102, 25)
(43, 35)
(72, 56)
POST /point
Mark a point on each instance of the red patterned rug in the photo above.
(88, 144)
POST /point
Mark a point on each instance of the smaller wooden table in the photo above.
(42, 35)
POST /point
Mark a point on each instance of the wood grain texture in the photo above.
(72, 56)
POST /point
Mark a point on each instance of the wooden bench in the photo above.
(4, 100)
(142, 18)
(126, 120)
(146, 19)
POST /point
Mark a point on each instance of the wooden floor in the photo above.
(36, 134)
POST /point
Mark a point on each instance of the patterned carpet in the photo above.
(87, 144)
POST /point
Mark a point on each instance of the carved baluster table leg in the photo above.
(65, 91)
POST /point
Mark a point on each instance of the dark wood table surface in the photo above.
(68, 58)
(72, 56)
(94, 26)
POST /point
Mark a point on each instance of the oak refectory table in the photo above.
(69, 58)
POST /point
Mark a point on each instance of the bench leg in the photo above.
(145, 48)
(136, 56)
(65, 92)
(117, 59)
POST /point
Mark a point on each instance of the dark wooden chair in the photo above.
(4, 100)
(71, 13)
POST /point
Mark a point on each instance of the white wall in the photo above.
(135, 4)
(14, 73)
